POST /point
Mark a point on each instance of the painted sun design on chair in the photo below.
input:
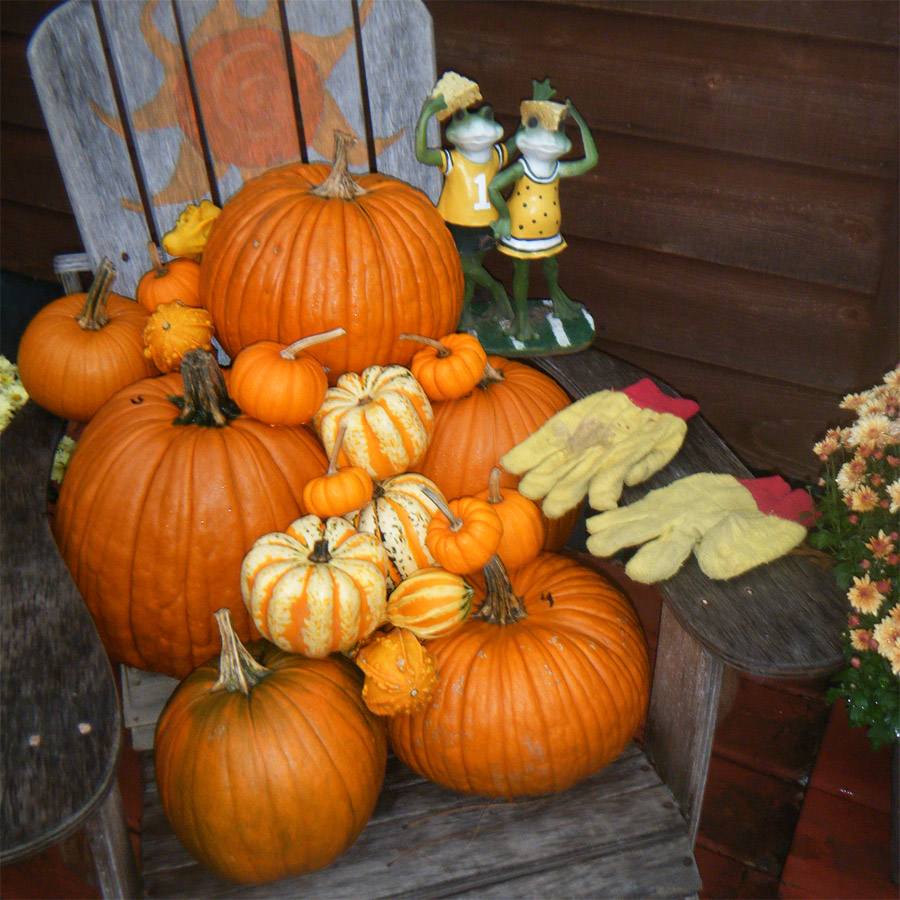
(236, 61)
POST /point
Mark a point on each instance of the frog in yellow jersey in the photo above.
(528, 224)
(477, 156)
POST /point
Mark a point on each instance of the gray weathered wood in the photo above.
(144, 694)
(61, 724)
(227, 111)
(617, 834)
(111, 848)
(681, 721)
(781, 619)
(400, 72)
(72, 81)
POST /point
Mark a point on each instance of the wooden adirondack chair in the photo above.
(152, 105)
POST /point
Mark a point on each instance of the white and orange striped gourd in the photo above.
(430, 603)
(398, 515)
(316, 588)
(388, 420)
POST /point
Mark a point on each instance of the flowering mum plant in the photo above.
(857, 524)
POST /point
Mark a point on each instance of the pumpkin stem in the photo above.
(501, 604)
(238, 670)
(205, 400)
(491, 373)
(336, 449)
(494, 495)
(442, 349)
(340, 184)
(93, 316)
(455, 522)
(158, 266)
(291, 351)
(319, 553)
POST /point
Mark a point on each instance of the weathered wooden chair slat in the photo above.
(180, 89)
(209, 97)
(426, 841)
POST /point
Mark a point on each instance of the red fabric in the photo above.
(773, 496)
(647, 395)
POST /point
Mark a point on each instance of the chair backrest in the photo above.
(155, 104)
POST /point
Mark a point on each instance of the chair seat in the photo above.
(618, 833)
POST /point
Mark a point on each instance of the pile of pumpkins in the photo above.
(322, 528)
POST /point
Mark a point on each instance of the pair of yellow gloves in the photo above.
(605, 441)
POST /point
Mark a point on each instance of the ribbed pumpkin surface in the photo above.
(536, 705)
(282, 263)
(154, 520)
(275, 784)
(473, 432)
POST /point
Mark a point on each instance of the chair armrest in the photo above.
(781, 619)
(61, 721)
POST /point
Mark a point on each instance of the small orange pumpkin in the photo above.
(178, 279)
(464, 534)
(400, 673)
(524, 527)
(279, 384)
(174, 329)
(448, 368)
(79, 350)
(339, 491)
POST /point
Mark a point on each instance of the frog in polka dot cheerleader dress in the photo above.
(529, 220)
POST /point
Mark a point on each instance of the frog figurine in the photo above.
(528, 226)
(477, 156)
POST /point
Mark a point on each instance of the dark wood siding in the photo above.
(739, 236)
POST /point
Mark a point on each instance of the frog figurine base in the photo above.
(552, 335)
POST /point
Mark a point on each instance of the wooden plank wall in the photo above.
(739, 236)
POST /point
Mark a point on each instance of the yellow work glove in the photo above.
(595, 445)
(713, 515)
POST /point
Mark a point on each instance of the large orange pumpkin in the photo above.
(302, 249)
(542, 687)
(268, 764)
(472, 432)
(154, 517)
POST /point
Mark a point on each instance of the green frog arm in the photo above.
(503, 179)
(424, 153)
(591, 157)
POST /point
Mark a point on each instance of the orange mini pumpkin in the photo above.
(524, 526)
(178, 279)
(464, 534)
(340, 490)
(281, 385)
(79, 350)
(448, 368)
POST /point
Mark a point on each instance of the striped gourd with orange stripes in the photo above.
(389, 420)
(317, 587)
(430, 603)
(398, 515)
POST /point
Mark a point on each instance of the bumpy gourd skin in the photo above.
(533, 706)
